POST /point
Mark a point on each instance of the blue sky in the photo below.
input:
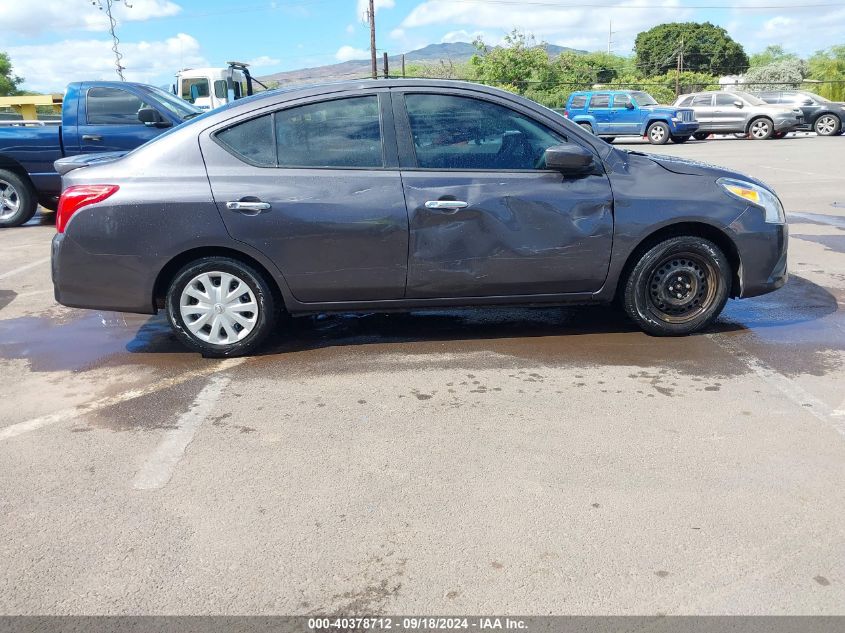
(53, 45)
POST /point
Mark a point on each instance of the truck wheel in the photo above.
(827, 125)
(701, 136)
(761, 129)
(586, 127)
(221, 307)
(680, 139)
(678, 286)
(658, 133)
(17, 200)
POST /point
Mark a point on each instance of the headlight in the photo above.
(676, 119)
(758, 195)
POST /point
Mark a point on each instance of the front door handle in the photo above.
(446, 205)
(92, 137)
(248, 206)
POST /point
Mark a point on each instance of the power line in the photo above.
(107, 5)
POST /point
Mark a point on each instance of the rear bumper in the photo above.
(106, 282)
(786, 124)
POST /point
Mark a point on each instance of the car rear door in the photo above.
(486, 219)
(108, 120)
(705, 113)
(601, 112)
(314, 185)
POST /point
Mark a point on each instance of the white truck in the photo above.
(209, 88)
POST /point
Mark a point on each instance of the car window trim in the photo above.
(407, 150)
(383, 100)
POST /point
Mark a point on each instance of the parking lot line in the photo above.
(25, 267)
(799, 396)
(160, 465)
(74, 412)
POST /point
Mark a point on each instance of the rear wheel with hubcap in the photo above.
(658, 133)
(761, 129)
(586, 127)
(221, 307)
(679, 286)
(827, 125)
(17, 200)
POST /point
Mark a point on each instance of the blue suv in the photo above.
(612, 113)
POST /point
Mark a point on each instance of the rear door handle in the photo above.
(446, 205)
(92, 137)
(248, 206)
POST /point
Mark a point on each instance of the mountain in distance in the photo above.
(360, 68)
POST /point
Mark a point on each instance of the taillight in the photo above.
(75, 198)
(566, 113)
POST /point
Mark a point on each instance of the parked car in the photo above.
(721, 112)
(97, 116)
(612, 113)
(821, 116)
(403, 194)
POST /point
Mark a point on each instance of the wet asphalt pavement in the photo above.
(506, 460)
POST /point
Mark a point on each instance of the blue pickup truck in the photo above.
(97, 116)
(612, 113)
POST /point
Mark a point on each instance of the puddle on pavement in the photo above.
(794, 329)
(835, 243)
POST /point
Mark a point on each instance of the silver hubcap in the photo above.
(658, 133)
(760, 129)
(218, 308)
(826, 125)
(10, 202)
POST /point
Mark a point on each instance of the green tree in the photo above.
(8, 81)
(779, 75)
(706, 48)
(770, 55)
(519, 63)
(829, 65)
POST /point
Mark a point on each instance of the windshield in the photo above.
(749, 98)
(814, 96)
(174, 104)
(643, 99)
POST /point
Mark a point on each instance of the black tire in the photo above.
(691, 266)
(778, 135)
(658, 133)
(18, 202)
(701, 136)
(760, 129)
(265, 301)
(680, 140)
(828, 125)
(586, 127)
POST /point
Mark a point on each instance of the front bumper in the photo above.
(763, 251)
(684, 128)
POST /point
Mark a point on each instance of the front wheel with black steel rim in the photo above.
(827, 125)
(221, 307)
(658, 133)
(678, 286)
(17, 200)
(761, 129)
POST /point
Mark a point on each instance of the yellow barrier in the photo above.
(26, 105)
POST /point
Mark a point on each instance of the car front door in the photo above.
(108, 121)
(315, 187)
(486, 217)
(626, 118)
(729, 117)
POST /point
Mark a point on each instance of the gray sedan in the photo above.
(403, 194)
(720, 112)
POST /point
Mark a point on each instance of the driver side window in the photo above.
(464, 133)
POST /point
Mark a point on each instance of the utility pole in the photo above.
(386, 69)
(610, 37)
(371, 17)
(403, 65)
(679, 69)
(106, 5)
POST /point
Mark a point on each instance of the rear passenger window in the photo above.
(251, 140)
(578, 102)
(702, 101)
(600, 101)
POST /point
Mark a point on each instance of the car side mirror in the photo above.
(569, 158)
(152, 118)
(739, 104)
(807, 102)
(629, 106)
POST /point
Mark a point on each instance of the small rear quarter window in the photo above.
(578, 102)
(252, 141)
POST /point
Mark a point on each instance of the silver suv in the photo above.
(720, 112)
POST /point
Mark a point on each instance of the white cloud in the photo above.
(363, 7)
(347, 53)
(25, 19)
(558, 23)
(397, 34)
(50, 67)
(465, 36)
(264, 61)
(350, 28)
